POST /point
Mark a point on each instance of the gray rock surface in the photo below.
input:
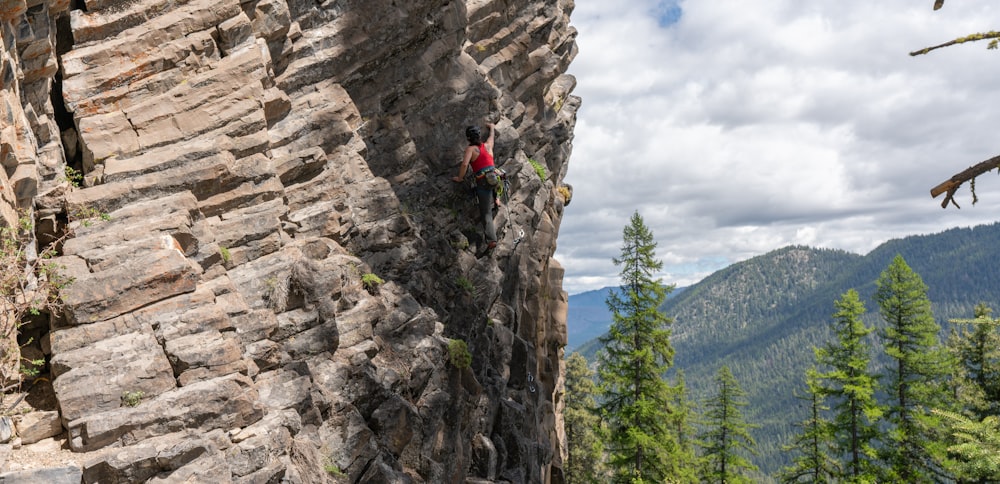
(246, 165)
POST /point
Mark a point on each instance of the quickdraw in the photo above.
(504, 192)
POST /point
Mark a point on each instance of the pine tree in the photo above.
(851, 386)
(726, 439)
(586, 449)
(637, 353)
(682, 416)
(814, 444)
(975, 346)
(915, 379)
(975, 445)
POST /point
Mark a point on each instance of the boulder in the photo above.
(34, 426)
(48, 475)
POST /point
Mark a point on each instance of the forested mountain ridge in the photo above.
(763, 316)
(747, 301)
(590, 316)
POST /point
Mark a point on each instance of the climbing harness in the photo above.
(501, 186)
(489, 176)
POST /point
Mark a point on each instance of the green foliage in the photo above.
(371, 282)
(974, 345)
(915, 379)
(225, 254)
(584, 432)
(977, 447)
(31, 368)
(86, 216)
(637, 352)
(726, 441)
(974, 448)
(29, 285)
(458, 354)
(849, 382)
(539, 169)
(466, 285)
(763, 316)
(681, 421)
(73, 176)
(132, 398)
(813, 446)
(333, 470)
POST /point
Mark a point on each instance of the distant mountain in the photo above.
(589, 317)
(763, 316)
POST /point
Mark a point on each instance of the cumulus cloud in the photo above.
(737, 128)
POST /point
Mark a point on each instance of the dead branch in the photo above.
(952, 185)
(961, 40)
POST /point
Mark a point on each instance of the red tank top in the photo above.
(484, 159)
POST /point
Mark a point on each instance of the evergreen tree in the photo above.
(726, 439)
(637, 352)
(814, 444)
(586, 450)
(975, 346)
(851, 386)
(915, 379)
(975, 445)
(682, 416)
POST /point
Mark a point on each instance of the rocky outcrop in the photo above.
(270, 261)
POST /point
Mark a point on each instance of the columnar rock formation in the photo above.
(248, 169)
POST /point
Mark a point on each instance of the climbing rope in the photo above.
(505, 194)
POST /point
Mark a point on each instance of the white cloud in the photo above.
(743, 128)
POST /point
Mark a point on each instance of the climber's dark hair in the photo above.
(474, 135)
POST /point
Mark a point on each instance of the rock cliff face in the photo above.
(285, 265)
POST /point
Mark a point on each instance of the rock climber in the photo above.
(479, 154)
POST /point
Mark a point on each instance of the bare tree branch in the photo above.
(951, 185)
(961, 40)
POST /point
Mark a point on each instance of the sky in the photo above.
(738, 127)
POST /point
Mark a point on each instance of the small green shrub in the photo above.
(226, 255)
(460, 243)
(465, 285)
(458, 354)
(539, 168)
(86, 216)
(132, 398)
(31, 368)
(333, 470)
(18, 272)
(74, 177)
(371, 282)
